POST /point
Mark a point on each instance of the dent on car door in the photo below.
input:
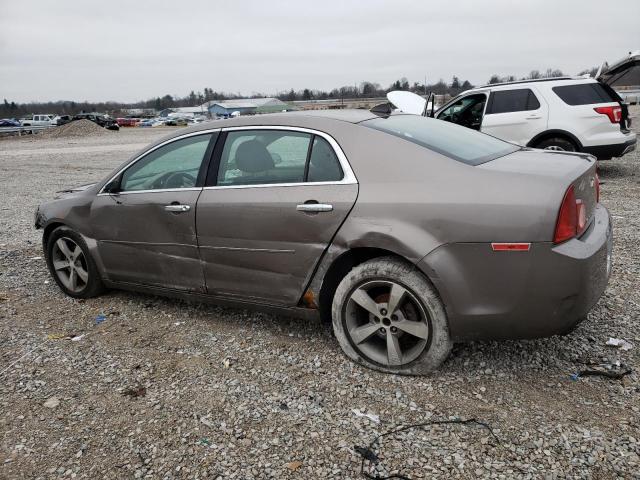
(146, 229)
(275, 200)
(515, 115)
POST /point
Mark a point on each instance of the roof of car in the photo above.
(537, 80)
(284, 119)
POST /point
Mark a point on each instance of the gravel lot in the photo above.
(166, 389)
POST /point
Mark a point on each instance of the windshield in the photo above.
(456, 142)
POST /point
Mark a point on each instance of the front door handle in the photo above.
(177, 208)
(314, 207)
(534, 117)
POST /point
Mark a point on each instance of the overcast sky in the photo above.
(126, 50)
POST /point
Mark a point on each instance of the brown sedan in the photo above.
(405, 232)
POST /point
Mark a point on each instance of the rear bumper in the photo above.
(606, 152)
(508, 295)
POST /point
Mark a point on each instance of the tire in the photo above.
(371, 340)
(81, 281)
(557, 144)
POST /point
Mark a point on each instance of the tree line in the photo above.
(365, 89)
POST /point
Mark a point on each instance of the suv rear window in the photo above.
(519, 100)
(583, 94)
(456, 142)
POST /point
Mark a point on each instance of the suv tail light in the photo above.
(572, 218)
(614, 113)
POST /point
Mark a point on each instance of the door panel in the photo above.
(255, 243)
(520, 126)
(140, 241)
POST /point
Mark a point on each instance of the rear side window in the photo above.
(506, 101)
(456, 142)
(258, 157)
(583, 94)
(324, 166)
(252, 157)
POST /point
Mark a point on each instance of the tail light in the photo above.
(614, 113)
(572, 218)
(567, 224)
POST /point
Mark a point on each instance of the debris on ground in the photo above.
(369, 454)
(608, 371)
(206, 421)
(52, 402)
(619, 343)
(56, 336)
(100, 318)
(370, 416)
(293, 466)
(135, 392)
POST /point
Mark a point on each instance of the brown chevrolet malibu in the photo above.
(405, 232)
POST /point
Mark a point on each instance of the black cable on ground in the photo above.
(369, 454)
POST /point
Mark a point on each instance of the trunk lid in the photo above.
(560, 168)
(622, 74)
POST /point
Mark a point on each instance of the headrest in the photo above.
(253, 157)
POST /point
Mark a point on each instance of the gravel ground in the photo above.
(166, 389)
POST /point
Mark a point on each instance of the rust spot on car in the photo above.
(309, 300)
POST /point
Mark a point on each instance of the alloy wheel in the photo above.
(70, 264)
(386, 323)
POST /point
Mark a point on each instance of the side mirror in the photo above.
(113, 186)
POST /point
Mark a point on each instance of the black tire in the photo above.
(558, 144)
(93, 285)
(424, 352)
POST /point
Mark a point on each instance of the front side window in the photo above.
(466, 111)
(506, 101)
(175, 165)
(256, 157)
(453, 141)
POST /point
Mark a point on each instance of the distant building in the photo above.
(139, 112)
(246, 106)
(184, 112)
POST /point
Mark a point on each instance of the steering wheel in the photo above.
(175, 180)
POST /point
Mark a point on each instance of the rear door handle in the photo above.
(314, 207)
(177, 208)
(534, 117)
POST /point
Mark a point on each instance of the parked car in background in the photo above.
(9, 122)
(569, 114)
(406, 233)
(176, 122)
(62, 119)
(100, 119)
(40, 120)
(127, 121)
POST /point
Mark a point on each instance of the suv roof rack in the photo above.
(526, 81)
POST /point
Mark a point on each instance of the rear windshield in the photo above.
(583, 94)
(456, 142)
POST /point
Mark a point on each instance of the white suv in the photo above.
(571, 114)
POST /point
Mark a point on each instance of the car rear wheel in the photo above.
(71, 265)
(388, 317)
(558, 144)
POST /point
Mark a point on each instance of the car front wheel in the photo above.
(71, 265)
(388, 317)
